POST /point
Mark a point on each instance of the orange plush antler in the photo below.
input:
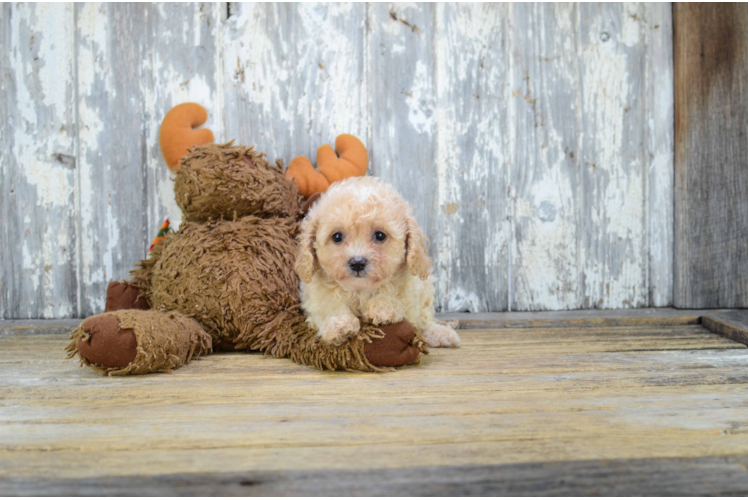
(177, 134)
(351, 160)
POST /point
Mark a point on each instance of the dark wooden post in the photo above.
(711, 155)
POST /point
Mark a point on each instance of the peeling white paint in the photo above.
(471, 157)
(446, 170)
(632, 20)
(39, 162)
(94, 78)
(497, 101)
(301, 81)
(421, 116)
(35, 154)
(613, 264)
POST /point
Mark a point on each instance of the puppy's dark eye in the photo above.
(337, 237)
(380, 236)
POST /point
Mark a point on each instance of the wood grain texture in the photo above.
(664, 316)
(110, 48)
(39, 274)
(293, 76)
(711, 156)
(701, 476)
(604, 402)
(471, 47)
(576, 319)
(583, 161)
(612, 164)
(533, 140)
(729, 324)
(546, 127)
(659, 110)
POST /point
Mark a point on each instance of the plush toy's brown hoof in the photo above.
(120, 296)
(107, 344)
(132, 342)
(394, 349)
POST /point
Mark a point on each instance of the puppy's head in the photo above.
(361, 233)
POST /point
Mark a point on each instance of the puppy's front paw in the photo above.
(383, 313)
(338, 329)
(437, 335)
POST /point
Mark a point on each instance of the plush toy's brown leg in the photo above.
(396, 348)
(134, 342)
(107, 344)
(375, 349)
(121, 296)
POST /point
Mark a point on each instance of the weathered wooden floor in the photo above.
(657, 408)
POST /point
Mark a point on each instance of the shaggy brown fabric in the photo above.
(142, 274)
(165, 341)
(107, 344)
(302, 346)
(234, 277)
(225, 280)
(293, 338)
(121, 296)
(224, 181)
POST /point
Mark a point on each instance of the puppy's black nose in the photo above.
(357, 264)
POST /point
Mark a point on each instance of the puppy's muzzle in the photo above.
(357, 265)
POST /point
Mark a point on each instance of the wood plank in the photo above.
(110, 47)
(581, 318)
(38, 170)
(697, 389)
(546, 319)
(471, 243)
(659, 108)
(46, 464)
(612, 157)
(711, 159)
(294, 76)
(715, 410)
(366, 434)
(617, 339)
(730, 324)
(38, 326)
(50, 362)
(700, 476)
(544, 173)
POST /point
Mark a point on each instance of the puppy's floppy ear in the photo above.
(416, 253)
(306, 258)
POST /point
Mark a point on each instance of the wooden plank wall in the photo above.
(535, 141)
(711, 155)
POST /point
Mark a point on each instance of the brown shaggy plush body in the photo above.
(223, 181)
(235, 277)
(228, 271)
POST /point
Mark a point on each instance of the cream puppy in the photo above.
(362, 254)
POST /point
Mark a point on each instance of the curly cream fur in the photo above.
(396, 282)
